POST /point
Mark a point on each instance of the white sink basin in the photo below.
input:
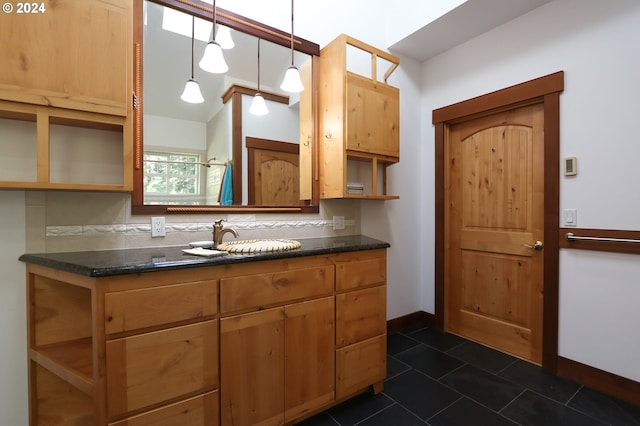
(258, 246)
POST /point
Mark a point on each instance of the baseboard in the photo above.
(603, 381)
(414, 320)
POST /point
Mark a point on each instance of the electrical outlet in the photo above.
(157, 227)
(338, 223)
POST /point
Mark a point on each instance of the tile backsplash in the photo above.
(77, 221)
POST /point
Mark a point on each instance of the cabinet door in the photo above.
(309, 356)
(154, 367)
(72, 54)
(373, 117)
(252, 368)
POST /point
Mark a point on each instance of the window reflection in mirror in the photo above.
(189, 148)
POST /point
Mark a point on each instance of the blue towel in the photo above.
(226, 188)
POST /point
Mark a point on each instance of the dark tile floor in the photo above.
(439, 379)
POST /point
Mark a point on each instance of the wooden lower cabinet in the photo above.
(361, 321)
(277, 364)
(257, 343)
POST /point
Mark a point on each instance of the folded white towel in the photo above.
(199, 251)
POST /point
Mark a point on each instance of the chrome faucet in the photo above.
(219, 231)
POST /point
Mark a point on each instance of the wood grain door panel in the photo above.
(252, 376)
(496, 212)
(274, 173)
(309, 356)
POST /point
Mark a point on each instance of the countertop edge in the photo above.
(106, 263)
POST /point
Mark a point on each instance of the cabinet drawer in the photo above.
(150, 368)
(360, 365)
(360, 269)
(201, 410)
(134, 309)
(254, 291)
(360, 314)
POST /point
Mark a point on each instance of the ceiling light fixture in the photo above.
(213, 60)
(191, 91)
(258, 105)
(292, 81)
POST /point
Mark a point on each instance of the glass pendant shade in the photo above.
(258, 105)
(223, 37)
(292, 81)
(192, 92)
(213, 60)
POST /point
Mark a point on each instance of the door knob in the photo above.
(536, 246)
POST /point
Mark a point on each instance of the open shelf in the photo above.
(55, 148)
(60, 403)
(72, 361)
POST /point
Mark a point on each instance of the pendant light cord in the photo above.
(292, 32)
(193, 34)
(258, 65)
(214, 20)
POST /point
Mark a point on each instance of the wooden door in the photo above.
(252, 368)
(309, 356)
(274, 173)
(494, 207)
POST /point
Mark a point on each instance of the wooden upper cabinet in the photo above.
(66, 84)
(72, 54)
(359, 119)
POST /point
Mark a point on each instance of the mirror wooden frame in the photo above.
(238, 23)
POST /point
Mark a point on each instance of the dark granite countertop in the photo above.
(132, 261)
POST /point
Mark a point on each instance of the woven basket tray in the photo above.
(259, 246)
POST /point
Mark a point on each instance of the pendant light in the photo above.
(258, 106)
(292, 81)
(224, 37)
(213, 60)
(191, 91)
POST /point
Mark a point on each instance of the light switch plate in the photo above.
(570, 217)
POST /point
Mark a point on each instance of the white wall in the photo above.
(169, 132)
(13, 324)
(594, 42)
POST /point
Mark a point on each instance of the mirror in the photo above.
(216, 156)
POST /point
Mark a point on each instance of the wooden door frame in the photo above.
(545, 90)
